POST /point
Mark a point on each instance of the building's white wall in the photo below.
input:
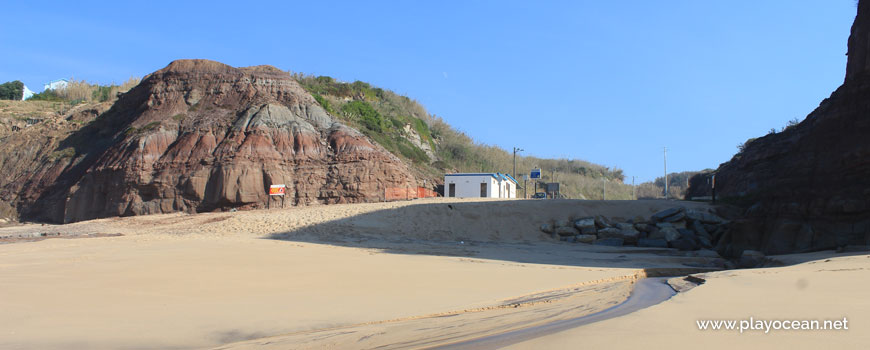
(27, 93)
(54, 85)
(469, 186)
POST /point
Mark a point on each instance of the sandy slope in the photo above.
(825, 288)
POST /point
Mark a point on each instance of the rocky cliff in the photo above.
(807, 187)
(195, 136)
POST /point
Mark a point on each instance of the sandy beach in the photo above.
(381, 275)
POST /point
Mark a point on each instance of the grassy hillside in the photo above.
(383, 115)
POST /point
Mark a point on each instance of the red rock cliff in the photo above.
(198, 136)
(808, 187)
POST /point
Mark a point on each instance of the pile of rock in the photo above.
(677, 228)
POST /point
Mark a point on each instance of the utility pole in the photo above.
(525, 180)
(633, 189)
(666, 173)
(603, 189)
(515, 160)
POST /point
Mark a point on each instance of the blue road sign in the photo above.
(536, 174)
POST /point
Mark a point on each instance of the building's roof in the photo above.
(497, 176)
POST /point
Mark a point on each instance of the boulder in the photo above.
(699, 229)
(662, 225)
(589, 231)
(613, 242)
(584, 223)
(566, 231)
(750, 258)
(625, 232)
(625, 226)
(667, 213)
(683, 244)
(669, 234)
(704, 217)
(705, 242)
(676, 217)
(710, 228)
(628, 236)
(686, 233)
(585, 239)
(547, 228)
(643, 227)
(602, 222)
(652, 243)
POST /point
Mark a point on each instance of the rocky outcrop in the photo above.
(807, 187)
(200, 136)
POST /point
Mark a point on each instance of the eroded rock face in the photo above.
(199, 136)
(808, 187)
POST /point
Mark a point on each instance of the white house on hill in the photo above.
(27, 93)
(55, 84)
(480, 185)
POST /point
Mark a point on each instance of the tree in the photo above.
(11, 90)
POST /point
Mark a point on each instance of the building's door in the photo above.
(483, 189)
(452, 190)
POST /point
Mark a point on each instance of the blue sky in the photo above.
(611, 82)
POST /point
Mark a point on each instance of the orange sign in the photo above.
(276, 190)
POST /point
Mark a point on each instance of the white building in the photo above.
(480, 185)
(55, 84)
(27, 93)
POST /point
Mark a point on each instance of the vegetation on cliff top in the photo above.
(383, 116)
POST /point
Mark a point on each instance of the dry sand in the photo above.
(389, 275)
(825, 288)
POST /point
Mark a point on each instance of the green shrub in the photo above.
(47, 95)
(68, 152)
(368, 116)
(11, 90)
(324, 103)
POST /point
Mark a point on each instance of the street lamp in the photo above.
(516, 149)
